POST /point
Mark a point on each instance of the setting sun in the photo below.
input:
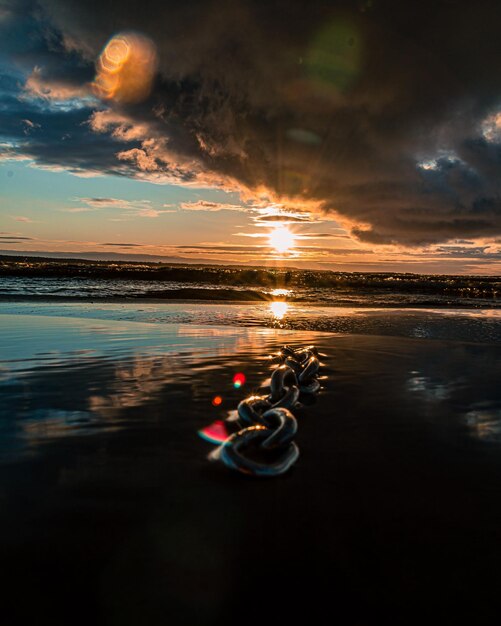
(281, 239)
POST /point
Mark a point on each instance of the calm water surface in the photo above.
(479, 325)
(111, 513)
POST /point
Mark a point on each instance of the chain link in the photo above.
(264, 444)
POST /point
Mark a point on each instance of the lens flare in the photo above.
(238, 380)
(126, 68)
(217, 401)
(281, 239)
(215, 432)
(334, 59)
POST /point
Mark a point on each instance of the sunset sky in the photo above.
(364, 135)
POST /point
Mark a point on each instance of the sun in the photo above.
(281, 239)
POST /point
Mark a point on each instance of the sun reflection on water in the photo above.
(281, 292)
(278, 309)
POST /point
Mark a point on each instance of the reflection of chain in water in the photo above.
(268, 426)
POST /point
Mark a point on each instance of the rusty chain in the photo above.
(264, 444)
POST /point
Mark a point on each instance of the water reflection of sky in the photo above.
(484, 422)
(28, 341)
(430, 389)
(62, 376)
(456, 324)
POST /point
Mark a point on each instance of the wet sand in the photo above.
(464, 324)
(111, 514)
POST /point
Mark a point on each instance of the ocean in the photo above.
(48, 278)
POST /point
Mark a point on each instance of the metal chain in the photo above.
(267, 423)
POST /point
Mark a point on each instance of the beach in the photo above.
(112, 514)
(250, 313)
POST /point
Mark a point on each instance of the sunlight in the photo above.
(281, 292)
(278, 309)
(281, 239)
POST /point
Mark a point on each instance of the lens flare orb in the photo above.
(126, 68)
(215, 432)
(217, 401)
(238, 380)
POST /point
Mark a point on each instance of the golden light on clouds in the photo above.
(281, 239)
(126, 68)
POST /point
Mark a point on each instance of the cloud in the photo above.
(7, 236)
(384, 115)
(221, 248)
(77, 209)
(317, 236)
(114, 203)
(151, 212)
(286, 219)
(52, 88)
(265, 250)
(29, 126)
(23, 218)
(205, 205)
(297, 236)
(124, 245)
(134, 208)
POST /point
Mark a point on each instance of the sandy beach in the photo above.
(111, 513)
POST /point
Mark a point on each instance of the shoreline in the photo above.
(263, 301)
(468, 325)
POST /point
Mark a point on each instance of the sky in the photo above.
(352, 136)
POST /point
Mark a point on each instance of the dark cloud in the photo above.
(375, 111)
(100, 201)
(463, 252)
(124, 245)
(15, 238)
(288, 219)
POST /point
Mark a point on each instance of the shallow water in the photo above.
(62, 376)
(111, 513)
(478, 325)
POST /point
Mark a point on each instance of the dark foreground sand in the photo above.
(111, 515)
